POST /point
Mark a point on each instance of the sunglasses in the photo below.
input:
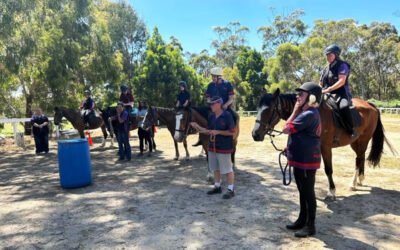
(300, 93)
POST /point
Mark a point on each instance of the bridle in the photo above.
(278, 111)
(270, 132)
(185, 130)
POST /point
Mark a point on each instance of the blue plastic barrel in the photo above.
(74, 163)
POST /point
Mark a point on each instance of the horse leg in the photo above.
(104, 130)
(176, 151)
(359, 148)
(186, 149)
(111, 131)
(210, 175)
(233, 159)
(327, 157)
(81, 134)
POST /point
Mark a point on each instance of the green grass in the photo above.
(386, 104)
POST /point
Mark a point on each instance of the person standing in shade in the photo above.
(144, 135)
(221, 129)
(40, 124)
(304, 153)
(124, 148)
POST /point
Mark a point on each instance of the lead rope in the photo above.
(282, 152)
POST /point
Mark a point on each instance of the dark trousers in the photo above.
(144, 135)
(305, 181)
(124, 148)
(41, 142)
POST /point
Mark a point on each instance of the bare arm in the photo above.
(340, 83)
(229, 102)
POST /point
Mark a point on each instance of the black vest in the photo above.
(330, 76)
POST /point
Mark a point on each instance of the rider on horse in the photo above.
(126, 98)
(335, 80)
(183, 97)
(222, 88)
(87, 108)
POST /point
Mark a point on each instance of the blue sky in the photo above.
(191, 21)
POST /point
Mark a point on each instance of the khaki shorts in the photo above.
(221, 162)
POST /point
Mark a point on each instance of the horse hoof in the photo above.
(353, 188)
(176, 158)
(359, 184)
(330, 198)
(187, 158)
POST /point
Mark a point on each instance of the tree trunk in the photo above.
(28, 113)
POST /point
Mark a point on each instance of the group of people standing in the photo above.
(303, 127)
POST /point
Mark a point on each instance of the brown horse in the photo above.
(278, 106)
(167, 117)
(199, 115)
(74, 116)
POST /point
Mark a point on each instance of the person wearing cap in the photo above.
(335, 80)
(87, 107)
(126, 98)
(221, 129)
(304, 153)
(222, 88)
(40, 124)
(124, 147)
(183, 97)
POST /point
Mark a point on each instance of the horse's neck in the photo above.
(286, 102)
(165, 115)
(73, 116)
(197, 117)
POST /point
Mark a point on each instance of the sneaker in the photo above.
(215, 190)
(229, 194)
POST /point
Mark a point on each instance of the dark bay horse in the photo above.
(182, 127)
(167, 117)
(278, 106)
(74, 116)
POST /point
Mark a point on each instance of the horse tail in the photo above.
(378, 139)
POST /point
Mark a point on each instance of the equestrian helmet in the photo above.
(123, 88)
(333, 48)
(216, 71)
(183, 83)
(87, 92)
(314, 91)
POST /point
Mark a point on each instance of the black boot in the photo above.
(306, 231)
(298, 224)
(346, 112)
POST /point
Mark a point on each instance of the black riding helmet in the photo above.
(312, 88)
(123, 88)
(183, 83)
(333, 48)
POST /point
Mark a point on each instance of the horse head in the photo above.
(58, 115)
(182, 124)
(268, 115)
(150, 118)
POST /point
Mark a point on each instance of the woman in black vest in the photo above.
(335, 80)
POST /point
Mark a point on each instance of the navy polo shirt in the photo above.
(304, 146)
(222, 144)
(223, 90)
(182, 97)
(39, 120)
(88, 104)
(123, 126)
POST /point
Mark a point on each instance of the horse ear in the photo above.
(276, 93)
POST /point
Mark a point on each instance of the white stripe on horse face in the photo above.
(178, 119)
(257, 124)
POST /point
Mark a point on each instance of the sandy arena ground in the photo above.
(158, 203)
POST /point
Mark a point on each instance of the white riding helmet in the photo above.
(216, 71)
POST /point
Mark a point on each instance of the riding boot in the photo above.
(306, 231)
(346, 112)
(299, 223)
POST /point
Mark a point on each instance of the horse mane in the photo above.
(265, 100)
(204, 111)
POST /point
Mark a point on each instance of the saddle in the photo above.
(339, 120)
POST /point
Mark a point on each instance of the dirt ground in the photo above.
(158, 203)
